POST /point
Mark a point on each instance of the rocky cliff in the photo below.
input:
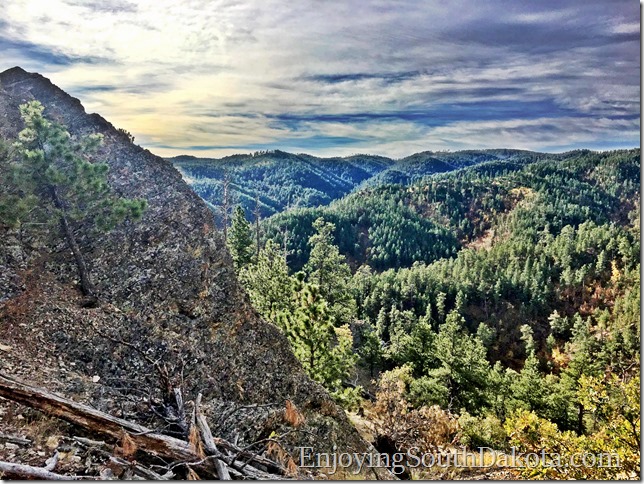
(170, 300)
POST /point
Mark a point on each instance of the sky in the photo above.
(339, 77)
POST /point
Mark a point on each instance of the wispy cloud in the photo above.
(44, 55)
(339, 77)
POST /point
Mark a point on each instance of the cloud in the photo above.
(102, 6)
(44, 55)
(539, 133)
(338, 77)
(391, 77)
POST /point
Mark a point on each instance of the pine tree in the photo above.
(582, 351)
(415, 348)
(268, 283)
(328, 270)
(463, 368)
(310, 330)
(14, 204)
(441, 298)
(528, 386)
(224, 209)
(371, 350)
(326, 352)
(257, 215)
(240, 239)
(53, 169)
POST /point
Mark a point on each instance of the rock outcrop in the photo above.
(169, 295)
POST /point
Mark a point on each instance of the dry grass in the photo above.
(292, 415)
(40, 428)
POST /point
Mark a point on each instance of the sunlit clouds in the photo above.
(339, 77)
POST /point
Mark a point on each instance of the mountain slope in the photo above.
(419, 165)
(393, 226)
(169, 294)
(278, 178)
(283, 180)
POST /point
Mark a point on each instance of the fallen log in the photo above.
(94, 420)
(12, 439)
(90, 443)
(52, 462)
(138, 469)
(247, 456)
(99, 447)
(145, 440)
(21, 471)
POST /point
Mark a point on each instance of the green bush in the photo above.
(484, 431)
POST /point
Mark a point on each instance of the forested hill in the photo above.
(395, 225)
(496, 305)
(418, 165)
(278, 180)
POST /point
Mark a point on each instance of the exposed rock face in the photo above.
(168, 288)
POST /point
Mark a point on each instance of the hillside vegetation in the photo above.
(275, 180)
(498, 302)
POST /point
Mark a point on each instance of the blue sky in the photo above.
(330, 77)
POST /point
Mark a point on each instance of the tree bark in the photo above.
(86, 281)
(146, 440)
(21, 471)
(209, 445)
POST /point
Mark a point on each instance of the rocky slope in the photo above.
(169, 296)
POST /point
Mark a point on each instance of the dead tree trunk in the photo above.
(95, 420)
(209, 445)
(21, 471)
(146, 441)
(256, 213)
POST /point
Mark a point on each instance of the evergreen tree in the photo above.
(310, 330)
(226, 204)
(527, 387)
(268, 283)
(326, 352)
(53, 170)
(371, 350)
(415, 348)
(441, 298)
(463, 368)
(328, 270)
(257, 213)
(240, 239)
(582, 351)
(15, 205)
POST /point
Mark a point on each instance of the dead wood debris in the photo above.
(131, 451)
(12, 439)
(21, 471)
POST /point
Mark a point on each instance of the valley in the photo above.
(443, 301)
